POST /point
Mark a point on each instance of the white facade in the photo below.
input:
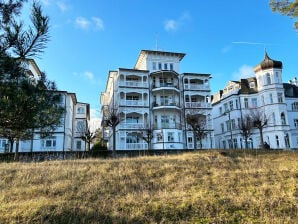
(65, 137)
(155, 96)
(265, 93)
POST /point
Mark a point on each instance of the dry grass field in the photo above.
(199, 187)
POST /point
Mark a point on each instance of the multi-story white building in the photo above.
(155, 96)
(266, 93)
(66, 137)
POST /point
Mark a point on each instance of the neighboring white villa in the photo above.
(155, 96)
(265, 92)
(66, 136)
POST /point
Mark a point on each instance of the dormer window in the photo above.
(81, 110)
(159, 66)
(171, 66)
(165, 66)
(252, 85)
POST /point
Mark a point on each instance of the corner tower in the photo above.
(268, 73)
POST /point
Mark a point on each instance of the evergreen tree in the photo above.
(27, 103)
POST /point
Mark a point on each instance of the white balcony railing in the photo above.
(196, 87)
(133, 84)
(197, 105)
(131, 126)
(133, 146)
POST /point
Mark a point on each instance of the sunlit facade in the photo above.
(155, 96)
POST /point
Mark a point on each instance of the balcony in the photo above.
(197, 105)
(196, 87)
(133, 146)
(137, 126)
(133, 84)
(163, 105)
(163, 86)
(133, 103)
(167, 126)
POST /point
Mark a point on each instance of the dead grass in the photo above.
(201, 187)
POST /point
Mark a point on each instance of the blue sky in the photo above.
(223, 38)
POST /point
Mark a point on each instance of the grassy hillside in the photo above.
(201, 187)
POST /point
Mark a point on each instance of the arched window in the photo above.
(268, 78)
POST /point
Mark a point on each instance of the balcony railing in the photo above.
(133, 146)
(133, 103)
(197, 105)
(131, 126)
(167, 125)
(161, 85)
(196, 87)
(133, 84)
(167, 104)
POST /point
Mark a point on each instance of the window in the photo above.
(283, 119)
(132, 120)
(231, 105)
(295, 106)
(170, 136)
(189, 139)
(49, 143)
(237, 106)
(246, 103)
(271, 97)
(165, 121)
(222, 127)
(263, 100)
(131, 139)
(273, 118)
(159, 137)
(165, 66)
(233, 124)
(159, 66)
(81, 110)
(296, 123)
(277, 77)
(226, 107)
(220, 110)
(154, 65)
(277, 141)
(171, 66)
(79, 144)
(228, 125)
(268, 78)
(280, 97)
(252, 85)
(254, 102)
(235, 143)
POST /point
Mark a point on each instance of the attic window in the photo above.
(252, 85)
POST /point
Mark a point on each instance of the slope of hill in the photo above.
(199, 187)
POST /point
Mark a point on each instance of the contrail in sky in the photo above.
(250, 43)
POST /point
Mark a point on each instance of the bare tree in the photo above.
(259, 120)
(85, 133)
(111, 119)
(198, 124)
(147, 135)
(245, 127)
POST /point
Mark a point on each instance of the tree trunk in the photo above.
(261, 138)
(11, 141)
(246, 142)
(194, 140)
(16, 155)
(114, 142)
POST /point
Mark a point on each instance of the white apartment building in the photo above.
(66, 137)
(266, 93)
(155, 96)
